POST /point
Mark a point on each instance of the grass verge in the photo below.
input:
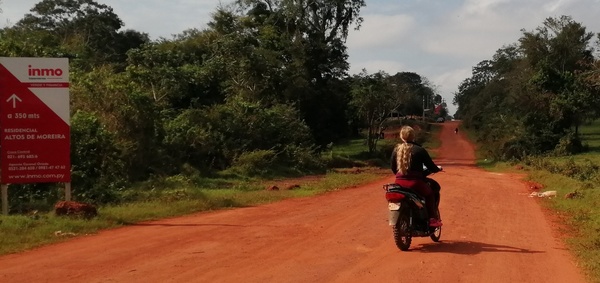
(578, 218)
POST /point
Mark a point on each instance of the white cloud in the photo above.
(162, 18)
(448, 83)
(14, 11)
(475, 7)
(475, 30)
(556, 5)
(381, 31)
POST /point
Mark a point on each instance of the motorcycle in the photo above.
(408, 215)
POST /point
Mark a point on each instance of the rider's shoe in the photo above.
(435, 222)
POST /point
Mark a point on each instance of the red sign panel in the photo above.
(34, 120)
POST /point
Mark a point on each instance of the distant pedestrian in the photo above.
(456, 130)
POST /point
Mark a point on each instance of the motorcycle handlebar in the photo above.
(428, 172)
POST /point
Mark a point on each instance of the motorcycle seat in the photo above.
(395, 188)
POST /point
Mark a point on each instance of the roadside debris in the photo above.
(61, 233)
(573, 195)
(73, 208)
(548, 194)
(273, 188)
(533, 186)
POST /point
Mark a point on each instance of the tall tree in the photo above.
(558, 52)
(314, 34)
(374, 97)
(418, 93)
(87, 29)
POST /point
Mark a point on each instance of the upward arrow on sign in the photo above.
(14, 99)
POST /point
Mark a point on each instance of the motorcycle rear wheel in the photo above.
(402, 236)
(436, 235)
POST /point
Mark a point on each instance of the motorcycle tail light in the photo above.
(394, 197)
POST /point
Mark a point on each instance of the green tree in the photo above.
(15, 42)
(314, 53)
(558, 52)
(87, 30)
(175, 78)
(531, 95)
(374, 97)
(126, 114)
(418, 92)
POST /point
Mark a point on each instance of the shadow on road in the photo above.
(469, 248)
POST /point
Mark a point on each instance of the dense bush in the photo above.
(569, 144)
(240, 132)
(303, 159)
(585, 170)
(132, 118)
(98, 170)
(32, 197)
(258, 162)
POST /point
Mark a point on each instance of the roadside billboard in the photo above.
(34, 120)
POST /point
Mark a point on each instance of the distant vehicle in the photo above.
(440, 120)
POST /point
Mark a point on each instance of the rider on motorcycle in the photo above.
(407, 161)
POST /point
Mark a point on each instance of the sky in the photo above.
(440, 40)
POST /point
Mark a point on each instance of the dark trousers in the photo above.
(420, 187)
(436, 188)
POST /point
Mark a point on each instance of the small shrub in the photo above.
(174, 195)
(303, 159)
(258, 162)
(569, 144)
(341, 162)
(582, 172)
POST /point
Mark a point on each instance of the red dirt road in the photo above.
(492, 232)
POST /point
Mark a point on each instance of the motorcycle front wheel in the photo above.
(437, 233)
(401, 232)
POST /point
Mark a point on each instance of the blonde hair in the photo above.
(404, 149)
